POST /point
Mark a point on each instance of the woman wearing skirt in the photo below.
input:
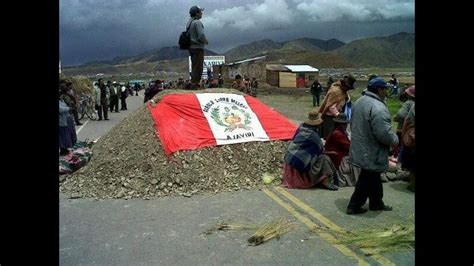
(67, 131)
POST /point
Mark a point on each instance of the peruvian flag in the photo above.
(191, 121)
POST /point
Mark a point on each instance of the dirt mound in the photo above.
(129, 162)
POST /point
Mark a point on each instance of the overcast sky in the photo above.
(103, 29)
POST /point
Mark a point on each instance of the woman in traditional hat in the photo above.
(306, 165)
(401, 115)
(337, 148)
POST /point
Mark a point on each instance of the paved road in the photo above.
(170, 230)
(94, 129)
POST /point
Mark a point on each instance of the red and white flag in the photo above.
(191, 121)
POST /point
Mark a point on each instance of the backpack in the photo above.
(185, 38)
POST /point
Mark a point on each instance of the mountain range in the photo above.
(396, 50)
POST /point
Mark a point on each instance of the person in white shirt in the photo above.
(123, 97)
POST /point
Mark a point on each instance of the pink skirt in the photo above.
(293, 178)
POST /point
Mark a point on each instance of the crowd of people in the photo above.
(334, 148)
(338, 145)
(107, 96)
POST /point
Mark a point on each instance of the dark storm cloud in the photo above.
(99, 29)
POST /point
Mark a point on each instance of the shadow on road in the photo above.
(401, 186)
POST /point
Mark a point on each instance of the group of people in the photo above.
(245, 85)
(107, 96)
(325, 153)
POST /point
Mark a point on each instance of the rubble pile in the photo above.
(129, 162)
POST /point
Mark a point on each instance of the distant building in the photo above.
(251, 67)
(290, 76)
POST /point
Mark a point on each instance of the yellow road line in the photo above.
(379, 258)
(311, 225)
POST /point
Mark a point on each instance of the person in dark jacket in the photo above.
(316, 90)
(220, 80)
(137, 88)
(103, 105)
(198, 41)
(152, 91)
(253, 87)
(371, 139)
(329, 83)
(114, 97)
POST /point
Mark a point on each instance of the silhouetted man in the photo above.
(198, 41)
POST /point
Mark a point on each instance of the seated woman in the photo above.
(408, 147)
(337, 148)
(305, 163)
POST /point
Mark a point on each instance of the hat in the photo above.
(195, 9)
(314, 118)
(349, 82)
(341, 118)
(411, 91)
(376, 83)
(372, 76)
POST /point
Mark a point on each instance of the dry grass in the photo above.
(270, 230)
(263, 233)
(380, 239)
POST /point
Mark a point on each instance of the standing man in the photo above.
(394, 82)
(330, 82)
(137, 88)
(196, 49)
(114, 97)
(220, 81)
(316, 89)
(102, 104)
(123, 97)
(254, 87)
(371, 139)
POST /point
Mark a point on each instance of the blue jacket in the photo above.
(63, 113)
(371, 133)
